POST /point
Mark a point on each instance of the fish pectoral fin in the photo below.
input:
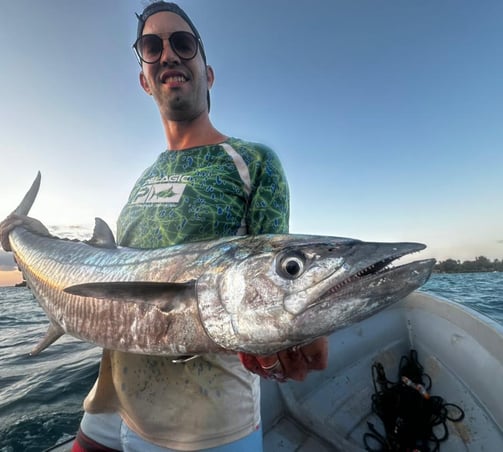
(145, 291)
(53, 334)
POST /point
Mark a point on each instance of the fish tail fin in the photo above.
(29, 198)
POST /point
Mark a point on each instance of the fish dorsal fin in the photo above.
(29, 198)
(137, 291)
(103, 237)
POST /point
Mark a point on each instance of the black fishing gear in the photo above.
(413, 419)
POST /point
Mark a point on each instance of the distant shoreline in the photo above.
(465, 271)
(480, 265)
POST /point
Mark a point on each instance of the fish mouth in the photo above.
(362, 294)
(375, 271)
(367, 273)
(413, 274)
(371, 290)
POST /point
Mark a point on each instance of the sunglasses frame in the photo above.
(170, 40)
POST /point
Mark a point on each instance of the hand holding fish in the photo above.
(293, 363)
(13, 221)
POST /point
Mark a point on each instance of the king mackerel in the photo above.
(255, 294)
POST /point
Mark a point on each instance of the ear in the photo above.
(144, 83)
(210, 76)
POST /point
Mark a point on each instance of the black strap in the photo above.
(411, 417)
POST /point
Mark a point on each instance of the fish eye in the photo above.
(291, 266)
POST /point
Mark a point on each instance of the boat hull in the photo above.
(460, 349)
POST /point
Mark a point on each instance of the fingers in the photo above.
(13, 221)
(293, 363)
(316, 354)
(4, 241)
(297, 362)
(268, 367)
(272, 367)
(6, 227)
(268, 362)
(35, 226)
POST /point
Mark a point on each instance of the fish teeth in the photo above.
(358, 274)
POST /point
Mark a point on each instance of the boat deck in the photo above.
(461, 352)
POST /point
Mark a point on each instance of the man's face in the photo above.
(178, 86)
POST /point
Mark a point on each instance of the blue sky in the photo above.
(386, 114)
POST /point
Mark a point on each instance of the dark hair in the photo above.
(159, 6)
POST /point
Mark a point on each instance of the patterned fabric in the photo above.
(198, 194)
(195, 194)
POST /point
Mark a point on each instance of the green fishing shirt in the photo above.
(203, 193)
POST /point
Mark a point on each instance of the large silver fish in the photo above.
(257, 294)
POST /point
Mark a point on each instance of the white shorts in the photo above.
(111, 431)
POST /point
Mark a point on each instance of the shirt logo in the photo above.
(159, 193)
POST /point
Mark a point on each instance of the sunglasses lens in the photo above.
(149, 48)
(184, 44)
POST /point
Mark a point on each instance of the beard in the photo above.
(178, 107)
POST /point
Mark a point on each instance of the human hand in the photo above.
(13, 221)
(293, 363)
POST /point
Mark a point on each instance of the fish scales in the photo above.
(116, 324)
(257, 294)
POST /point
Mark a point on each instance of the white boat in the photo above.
(460, 349)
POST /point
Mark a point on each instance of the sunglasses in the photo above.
(149, 48)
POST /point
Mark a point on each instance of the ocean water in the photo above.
(41, 397)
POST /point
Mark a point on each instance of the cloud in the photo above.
(79, 232)
(7, 262)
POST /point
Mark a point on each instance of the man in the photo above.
(206, 185)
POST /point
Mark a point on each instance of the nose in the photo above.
(168, 55)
